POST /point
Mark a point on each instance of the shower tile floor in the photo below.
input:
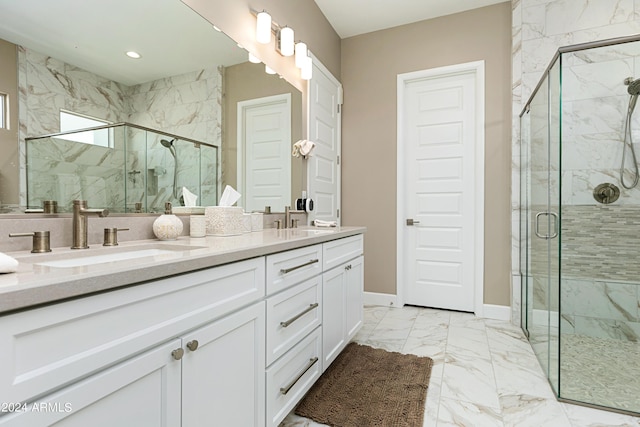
(600, 370)
(485, 372)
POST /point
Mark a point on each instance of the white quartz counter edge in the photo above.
(34, 284)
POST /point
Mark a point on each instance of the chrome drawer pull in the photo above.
(296, 317)
(289, 270)
(285, 390)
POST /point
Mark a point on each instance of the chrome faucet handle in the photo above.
(41, 241)
(111, 236)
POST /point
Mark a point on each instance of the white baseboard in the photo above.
(387, 300)
(490, 311)
(496, 312)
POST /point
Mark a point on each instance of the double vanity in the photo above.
(228, 331)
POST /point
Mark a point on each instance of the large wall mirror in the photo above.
(128, 134)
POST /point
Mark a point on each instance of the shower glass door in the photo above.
(540, 140)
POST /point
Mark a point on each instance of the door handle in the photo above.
(555, 225)
(411, 221)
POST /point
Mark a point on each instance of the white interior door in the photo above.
(264, 153)
(441, 121)
(323, 167)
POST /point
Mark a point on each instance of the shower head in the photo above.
(167, 144)
(634, 87)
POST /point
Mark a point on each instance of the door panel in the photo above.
(264, 165)
(439, 128)
(323, 169)
(442, 141)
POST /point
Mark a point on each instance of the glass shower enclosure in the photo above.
(580, 224)
(123, 167)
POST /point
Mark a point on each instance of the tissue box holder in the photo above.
(224, 220)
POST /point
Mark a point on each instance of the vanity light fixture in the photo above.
(306, 72)
(301, 53)
(285, 44)
(268, 70)
(254, 59)
(263, 27)
(134, 55)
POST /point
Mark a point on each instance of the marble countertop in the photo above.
(34, 283)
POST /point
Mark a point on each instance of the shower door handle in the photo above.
(536, 228)
(555, 225)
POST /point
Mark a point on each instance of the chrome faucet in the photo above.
(81, 222)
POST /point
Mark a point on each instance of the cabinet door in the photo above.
(223, 377)
(333, 314)
(354, 295)
(143, 391)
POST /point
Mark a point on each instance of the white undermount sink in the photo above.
(107, 255)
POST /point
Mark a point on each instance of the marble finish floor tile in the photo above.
(485, 372)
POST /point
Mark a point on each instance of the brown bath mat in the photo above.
(366, 386)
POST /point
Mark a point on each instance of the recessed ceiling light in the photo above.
(134, 55)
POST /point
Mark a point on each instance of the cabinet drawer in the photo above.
(339, 251)
(53, 346)
(285, 269)
(292, 376)
(291, 315)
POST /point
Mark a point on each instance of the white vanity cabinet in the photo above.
(342, 295)
(133, 349)
(238, 344)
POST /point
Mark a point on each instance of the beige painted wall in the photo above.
(370, 65)
(9, 164)
(247, 81)
(304, 16)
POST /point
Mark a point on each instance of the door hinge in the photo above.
(338, 160)
(339, 108)
(338, 213)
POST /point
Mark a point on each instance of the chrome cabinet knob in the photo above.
(177, 353)
(192, 345)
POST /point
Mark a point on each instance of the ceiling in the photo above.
(94, 35)
(354, 17)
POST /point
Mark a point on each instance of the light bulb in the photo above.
(301, 53)
(268, 70)
(306, 72)
(263, 28)
(286, 41)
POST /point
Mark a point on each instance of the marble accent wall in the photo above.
(539, 28)
(189, 105)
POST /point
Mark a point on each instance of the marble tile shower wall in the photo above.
(539, 28)
(188, 105)
(599, 293)
(66, 170)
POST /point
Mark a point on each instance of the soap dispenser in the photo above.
(167, 226)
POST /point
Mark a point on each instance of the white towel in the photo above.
(303, 147)
(8, 264)
(321, 223)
